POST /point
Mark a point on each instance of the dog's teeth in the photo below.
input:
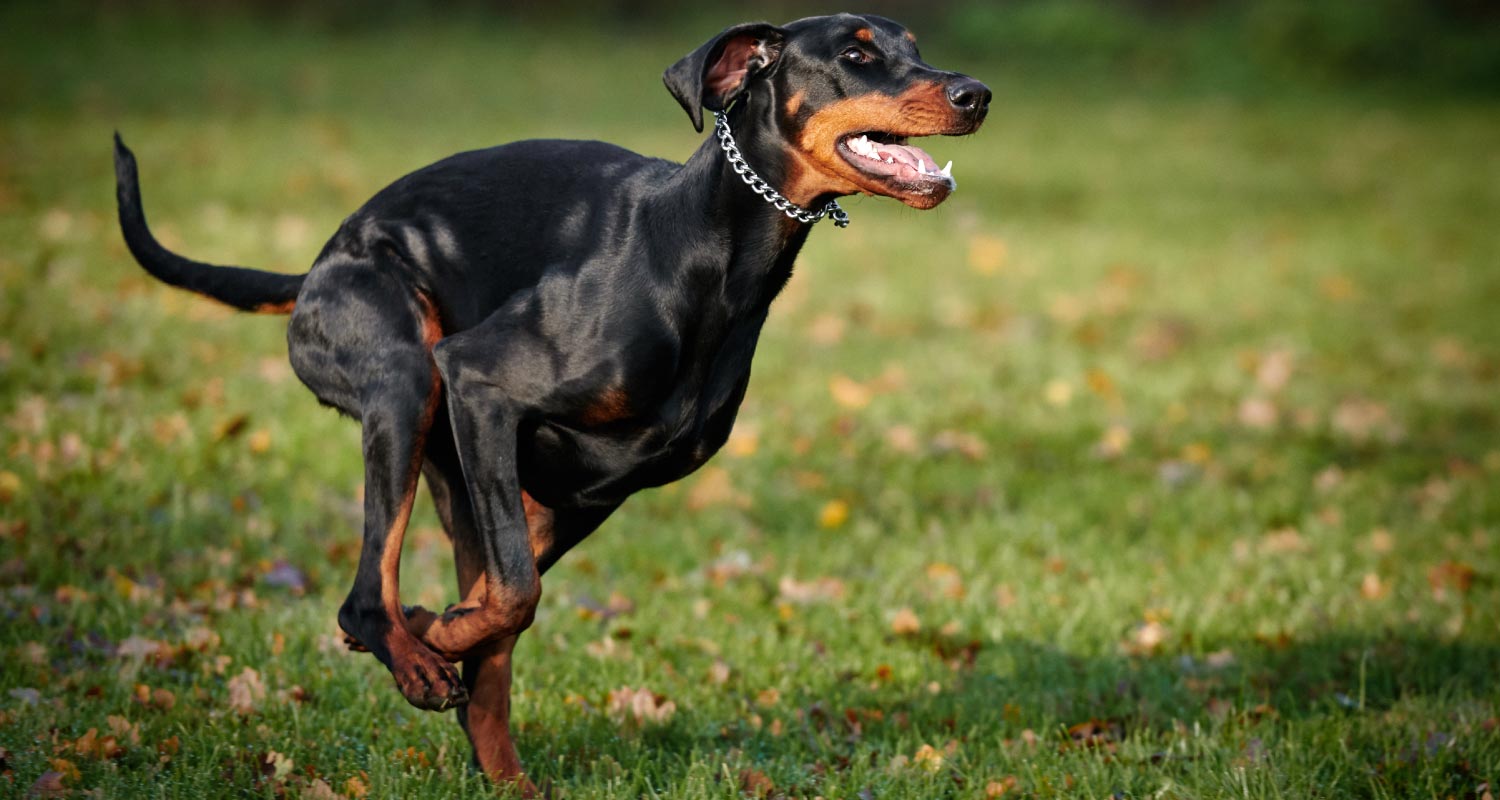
(890, 160)
(947, 171)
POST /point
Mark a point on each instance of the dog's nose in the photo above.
(967, 94)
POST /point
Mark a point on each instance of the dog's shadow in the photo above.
(1015, 695)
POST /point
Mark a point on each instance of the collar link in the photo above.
(765, 190)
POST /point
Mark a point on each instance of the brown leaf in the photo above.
(713, 487)
(998, 788)
(1454, 575)
(755, 783)
(905, 622)
(1094, 733)
(246, 691)
(1283, 540)
(230, 427)
(49, 784)
(848, 392)
(1258, 413)
(639, 706)
(815, 591)
(986, 253)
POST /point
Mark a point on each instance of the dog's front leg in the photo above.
(502, 600)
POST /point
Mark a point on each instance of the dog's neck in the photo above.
(762, 240)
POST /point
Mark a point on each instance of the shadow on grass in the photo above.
(1018, 703)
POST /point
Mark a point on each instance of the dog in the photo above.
(544, 328)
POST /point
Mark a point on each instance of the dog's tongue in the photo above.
(900, 155)
(914, 157)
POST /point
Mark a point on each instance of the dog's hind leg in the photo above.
(361, 339)
(487, 668)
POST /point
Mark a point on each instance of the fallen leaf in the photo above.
(280, 765)
(986, 253)
(259, 441)
(814, 591)
(1114, 441)
(141, 648)
(826, 329)
(1274, 370)
(10, 486)
(905, 622)
(833, 514)
(1282, 541)
(1146, 638)
(713, 487)
(639, 706)
(246, 691)
(1454, 575)
(356, 787)
(961, 442)
(230, 427)
(318, 789)
(945, 580)
(124, 730)
(998, 788)
(928, 758)
(1058, 392)
(719, 672)
(755, 783)
(1094, 733)
(848, 392)
(49, 784)
(744, 440)
(1258, 413)
(1372, 587)
(903, 439)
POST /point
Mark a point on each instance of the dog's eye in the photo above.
(856, 55)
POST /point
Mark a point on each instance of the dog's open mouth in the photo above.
(902, 170)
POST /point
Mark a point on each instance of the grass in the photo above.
(1177, 422)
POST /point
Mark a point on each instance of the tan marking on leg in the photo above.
(284, 307)
(487, 720)
(420, 674)
(538, 525)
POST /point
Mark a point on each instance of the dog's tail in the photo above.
(244, 289)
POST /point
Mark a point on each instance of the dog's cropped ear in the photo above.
(714, 74)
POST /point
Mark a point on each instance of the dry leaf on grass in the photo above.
(639, 707)
(904, 622)
(246, 691)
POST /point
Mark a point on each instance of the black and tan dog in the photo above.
(546, 327)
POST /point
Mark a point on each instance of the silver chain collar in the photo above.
(760, 187)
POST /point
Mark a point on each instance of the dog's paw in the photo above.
(428, 682)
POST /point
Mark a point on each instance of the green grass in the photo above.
(1056, 471)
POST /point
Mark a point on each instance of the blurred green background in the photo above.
(1158, 461)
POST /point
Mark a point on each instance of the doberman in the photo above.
(546, 327)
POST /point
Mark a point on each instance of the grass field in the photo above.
(1160, 461)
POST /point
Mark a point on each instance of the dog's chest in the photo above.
(584, 465)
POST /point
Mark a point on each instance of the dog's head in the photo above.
(841, 96)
